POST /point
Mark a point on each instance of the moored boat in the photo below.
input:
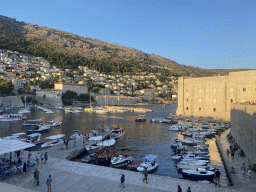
(11, 117)
(55, 140)
(35, 138)
(117, 133)
(103, 157)
(150, 164)
(198, 174)
(141, 118)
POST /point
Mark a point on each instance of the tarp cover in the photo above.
(150, 157)
(11, 145)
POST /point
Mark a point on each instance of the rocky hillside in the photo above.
(44, 42)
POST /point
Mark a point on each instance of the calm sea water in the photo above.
(142, 138)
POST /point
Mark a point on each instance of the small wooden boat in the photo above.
(89, 158)
(103, 157)
(133, 166)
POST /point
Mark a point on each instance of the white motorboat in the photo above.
(121, 160)
(48, 111)
(11, 117)
(35, 138)
(141, 118)
(93, 147)
(76, 111)
(198, 174)
(155, 120)
(177, 157)
(24, 110)
(106, 143)
(117, 133)
(100, 110)
(150, 164)
(181, 167)
(176, 128)
(55, 123)
(39, 129)
(55, 140)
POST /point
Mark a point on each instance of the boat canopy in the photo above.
(7, 146)
(34, 135)
(18, 134)
(150, 157)
(97, 138)
(55, 136)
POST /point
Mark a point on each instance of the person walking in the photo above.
(66, 144)
(42, 158)
(217, 177)
(84, 139)
(243, 169)
(37, 158)
(24, 169)
(36, 178)
(232, 154)
(29, 155)
(74, 142)
(227, 153)
(145, 173)
(122, 179)
(45, 158)
(249, 170)
(49, 183)
(179, 189)
(188, 190)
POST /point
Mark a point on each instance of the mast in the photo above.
(90, 100)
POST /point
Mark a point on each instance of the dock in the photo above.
(75, 176)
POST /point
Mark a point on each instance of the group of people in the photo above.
(249, 170)
(42, 156)
(48, 180)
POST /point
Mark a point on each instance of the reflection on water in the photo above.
(142, 138)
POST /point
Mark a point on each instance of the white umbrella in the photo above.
(150, 157)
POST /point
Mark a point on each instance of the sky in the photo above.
(210, 34)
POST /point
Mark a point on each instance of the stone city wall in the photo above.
(116, 100)
(213, 96)
(243, 129)
(53, 101)
(11, 100)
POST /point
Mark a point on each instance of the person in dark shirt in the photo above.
(217, 177)
(122, 181)
(179, 189)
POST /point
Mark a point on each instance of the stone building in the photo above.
(63, 87)
(213, 96)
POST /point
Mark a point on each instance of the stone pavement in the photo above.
(76, 176)
(239, 182)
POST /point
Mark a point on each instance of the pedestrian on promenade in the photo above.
(37, 158)
(29, 155)
(217, 177)
(24, 169)
(107, 128)
(49, 183)
(45, 158)
(243, 168)
(249, 170)
(36, 177)
(145, 173)
(84, 139)
(219, 134)
(227, 153)
(42, 158)
(188, 190)
(18, 154)
(232, 154)
(66, 144)
(179, 189)
(122, 181)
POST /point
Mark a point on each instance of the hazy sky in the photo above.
(201, 33)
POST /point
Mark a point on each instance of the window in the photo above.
(244, 89)
(214, 100)
(187, 99)
(199, 108)
(214, 109)
(186, 108)
(231, 100)
(200, 100)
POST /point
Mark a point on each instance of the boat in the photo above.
(93, 147)
(100, 110)
(198, 174)
(55, 123)
(35, 138)
(103, 157)
(48, 111)
(141, 118)
(24, 110)
(121, 160)
(89, 158)
(11, 117)
(133, 166)
(76, 135)
(176, 128)
(76, 111)
(117, 133)
(150, 164)
(33, 122)
(107, 143)
(55, 140)
(39, 129)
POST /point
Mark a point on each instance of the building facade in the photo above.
(213, 96)
(63, 87)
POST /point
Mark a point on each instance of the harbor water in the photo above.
(142, 138)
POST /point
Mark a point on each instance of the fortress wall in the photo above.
(11, 100)
(243, 129)
(53, 101)
(212, 96)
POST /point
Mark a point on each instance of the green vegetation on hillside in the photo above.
(6, 87)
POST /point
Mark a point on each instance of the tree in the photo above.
(6, 87)
(69, 94)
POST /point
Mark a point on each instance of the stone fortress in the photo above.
(230, 98)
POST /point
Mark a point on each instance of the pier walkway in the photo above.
(237, 179)
(75, 176)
